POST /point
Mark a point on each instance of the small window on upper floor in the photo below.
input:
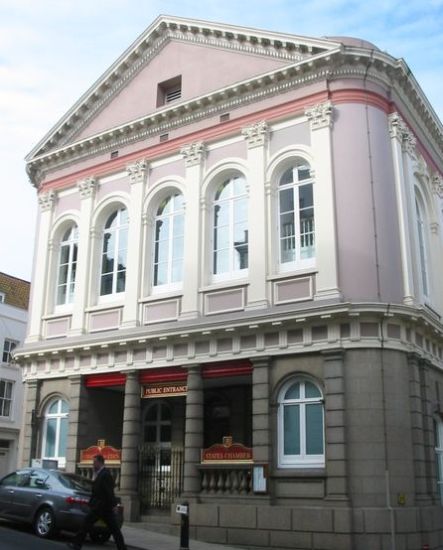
(169, 91)
(8, 348)
(2, 297)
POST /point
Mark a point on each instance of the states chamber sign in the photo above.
(164, 390)
(226, 452)
(110, 454)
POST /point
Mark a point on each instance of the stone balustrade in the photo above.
(226, 479)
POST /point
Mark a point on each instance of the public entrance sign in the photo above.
(227, 452)
(164, 390)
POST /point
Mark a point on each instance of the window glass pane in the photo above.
(287, 226)
(8, 390)
(286, 200)
(106, 285)
(177, 248)
(161, 251)
(179, 225)
(239, 186)
(121, 260)
(111, 220)
(165, 412)
(63, 438)
(74, 252)
(303, 173)
(61, 295)
(287, 177)
(124, 218)
(123, 239)
(291, 430)
(2, 388)
(164, 207)
(162, 229)
(6, 408)
(287, 250)
(51, 424)
(311, 390)
(221, 214)
(64, 254)
(240, 210)
(63, 274)
(179, 202)
(221, 237)
(121, 281)
(165, 433)
(53, 409)
(150, 433)
(64, 407)
(224, 191)
(314, 429)
(241, 254)
(293, 392)
(221, 261)
(305, 196)
(160, 274)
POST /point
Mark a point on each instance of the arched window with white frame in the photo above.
(169, 244)
(55, 431)
(230, 229)
(296, 225)
(114, 251)
(422, 246)
(301, 425)
(67, 266)
(438, 430)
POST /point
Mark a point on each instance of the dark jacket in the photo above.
(103, 497)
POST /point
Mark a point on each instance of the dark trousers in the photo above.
(109, 518)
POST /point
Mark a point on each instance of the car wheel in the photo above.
(44, 523)
(100, 537)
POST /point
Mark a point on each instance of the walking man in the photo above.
(102, 504)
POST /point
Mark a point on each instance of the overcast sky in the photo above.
(51, 51)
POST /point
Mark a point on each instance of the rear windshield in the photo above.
(72, 481)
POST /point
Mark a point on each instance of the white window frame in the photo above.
(174, 213)
(8, 347)
(233, 273)
(303, 460)
(4, 399)
(72, 244)
(2, 297)
(58, 416)
(117, 231)
(298, 263)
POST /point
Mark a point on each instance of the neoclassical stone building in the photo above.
(240, 242)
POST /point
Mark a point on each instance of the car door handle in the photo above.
(11, 492)
(38, 495)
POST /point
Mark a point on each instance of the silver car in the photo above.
(50, 501)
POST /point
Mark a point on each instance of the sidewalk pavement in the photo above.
(138, 537)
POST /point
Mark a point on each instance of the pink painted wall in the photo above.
(69, 202)
(202, 69)
(173, 169)
(234, 150)
(354, 170)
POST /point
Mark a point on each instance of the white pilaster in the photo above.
(321, 119)
(137, 173)
(39, 292)
(193, 155)
(257, 138)
(87, 189)
(399, 134)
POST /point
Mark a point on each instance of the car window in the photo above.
(72, 481)
(39, 480)
(16, 479)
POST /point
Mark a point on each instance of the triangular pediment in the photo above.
(205, 57)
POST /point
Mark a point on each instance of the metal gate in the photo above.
(160, 476)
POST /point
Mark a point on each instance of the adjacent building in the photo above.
(14, 298)
(238, 284)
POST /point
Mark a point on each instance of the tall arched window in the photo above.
(230, 232)
(157, 425)
(422, 248)
(67, 266)
(115, 244)
(296, 217)
(168, 243)
(55, 431)
(300, 425)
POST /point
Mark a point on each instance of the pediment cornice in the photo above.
(343, 62)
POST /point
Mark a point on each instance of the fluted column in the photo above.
(193, 430)
(326, 256)
(401, 140)
(130, 443)
(261, 430)
(137, 176)
(256, 137)
(87, 189)
(39, 288)
(194, 156)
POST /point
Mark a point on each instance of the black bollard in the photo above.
(183, 510)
